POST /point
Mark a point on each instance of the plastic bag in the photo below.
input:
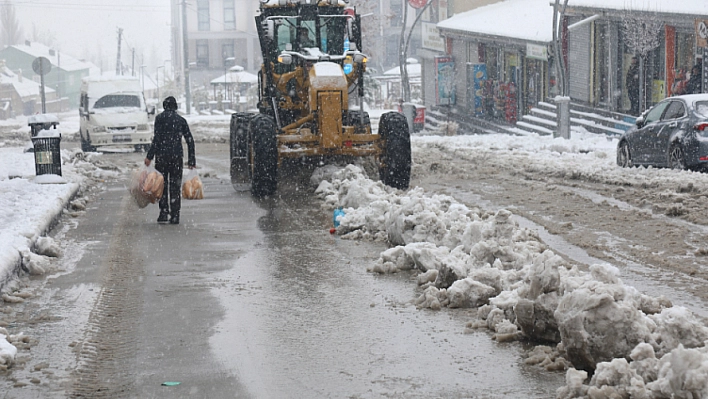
(146, 186)
(192, 188)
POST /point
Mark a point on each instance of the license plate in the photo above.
(121, 138)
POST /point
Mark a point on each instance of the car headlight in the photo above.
(99, 129)
(143, 127)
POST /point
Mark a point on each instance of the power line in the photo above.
(90, 7)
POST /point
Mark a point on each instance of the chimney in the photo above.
(19, 75)
(28, 43)
(52, 52)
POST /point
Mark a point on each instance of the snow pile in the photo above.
(28, 209)
(7, 350)
(471, 258)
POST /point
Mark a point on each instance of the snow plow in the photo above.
(311, 95)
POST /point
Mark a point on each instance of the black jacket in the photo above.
(167, 140)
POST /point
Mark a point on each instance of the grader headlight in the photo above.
(285, 59)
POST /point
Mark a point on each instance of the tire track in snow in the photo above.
(110, 341)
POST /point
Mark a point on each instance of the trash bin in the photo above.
(47, 155)
(419, 120)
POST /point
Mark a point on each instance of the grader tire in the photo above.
(263, 156)
(238, 151)
(395, 160)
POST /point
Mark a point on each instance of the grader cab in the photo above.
(311, 97)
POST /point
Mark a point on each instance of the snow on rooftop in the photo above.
(692, 7)
(67, 62)
(529, 20)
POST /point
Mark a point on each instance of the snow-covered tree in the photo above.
(10, 30)
(641, 35)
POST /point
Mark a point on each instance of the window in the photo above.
(227, 51)
(118, 100)
(676, 110)
(656, 112)
(229, 15)
(396, 15)
(702, 108)
(202, 53)
(203, 14)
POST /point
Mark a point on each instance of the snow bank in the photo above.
(634, 343)
(28, 209)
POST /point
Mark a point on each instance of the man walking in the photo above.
(632, 84)
(167, 147)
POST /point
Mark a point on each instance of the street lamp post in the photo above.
(142, 77)
(227, 63)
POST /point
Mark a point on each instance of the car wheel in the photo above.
(677, 159)
(624, 158)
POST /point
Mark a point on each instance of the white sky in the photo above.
(84, 27)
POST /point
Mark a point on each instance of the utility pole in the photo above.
(132, 67)
(118, 68)
(185, 44)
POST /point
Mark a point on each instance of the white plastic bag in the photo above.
(192, 187)
(146, 186)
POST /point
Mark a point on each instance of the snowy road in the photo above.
(243, 299)
(257, 298)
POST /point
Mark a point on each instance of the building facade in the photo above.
(500, 57)
(65, 75)
(220, 34)
(666, 38)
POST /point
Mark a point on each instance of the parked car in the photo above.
(672, 133)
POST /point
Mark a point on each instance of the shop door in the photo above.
(601, 71)
(535, 79)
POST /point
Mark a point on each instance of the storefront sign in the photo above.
(431, 38)
(537, 52)
(445, 80)
(417, 3)
(701, 33)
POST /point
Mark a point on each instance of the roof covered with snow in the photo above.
(236, 74)
(692, 7)
(58, 59)
(23, 87)
(529, 20)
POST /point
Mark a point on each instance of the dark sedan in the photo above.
(673, 134)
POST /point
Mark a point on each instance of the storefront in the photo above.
(600, 53)
(501, 57)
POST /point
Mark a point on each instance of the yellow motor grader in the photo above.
(311, 96)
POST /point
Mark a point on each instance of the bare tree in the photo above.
(10, 30)
(45, 36)
(641, 35)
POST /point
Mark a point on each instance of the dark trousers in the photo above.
(171, 169)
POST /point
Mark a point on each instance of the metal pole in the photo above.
(185, 44)
(44, 100)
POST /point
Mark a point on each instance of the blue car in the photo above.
(671, 134)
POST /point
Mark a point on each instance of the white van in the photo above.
(113, 113)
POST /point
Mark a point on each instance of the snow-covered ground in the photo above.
(28, 208)
(464, 256)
